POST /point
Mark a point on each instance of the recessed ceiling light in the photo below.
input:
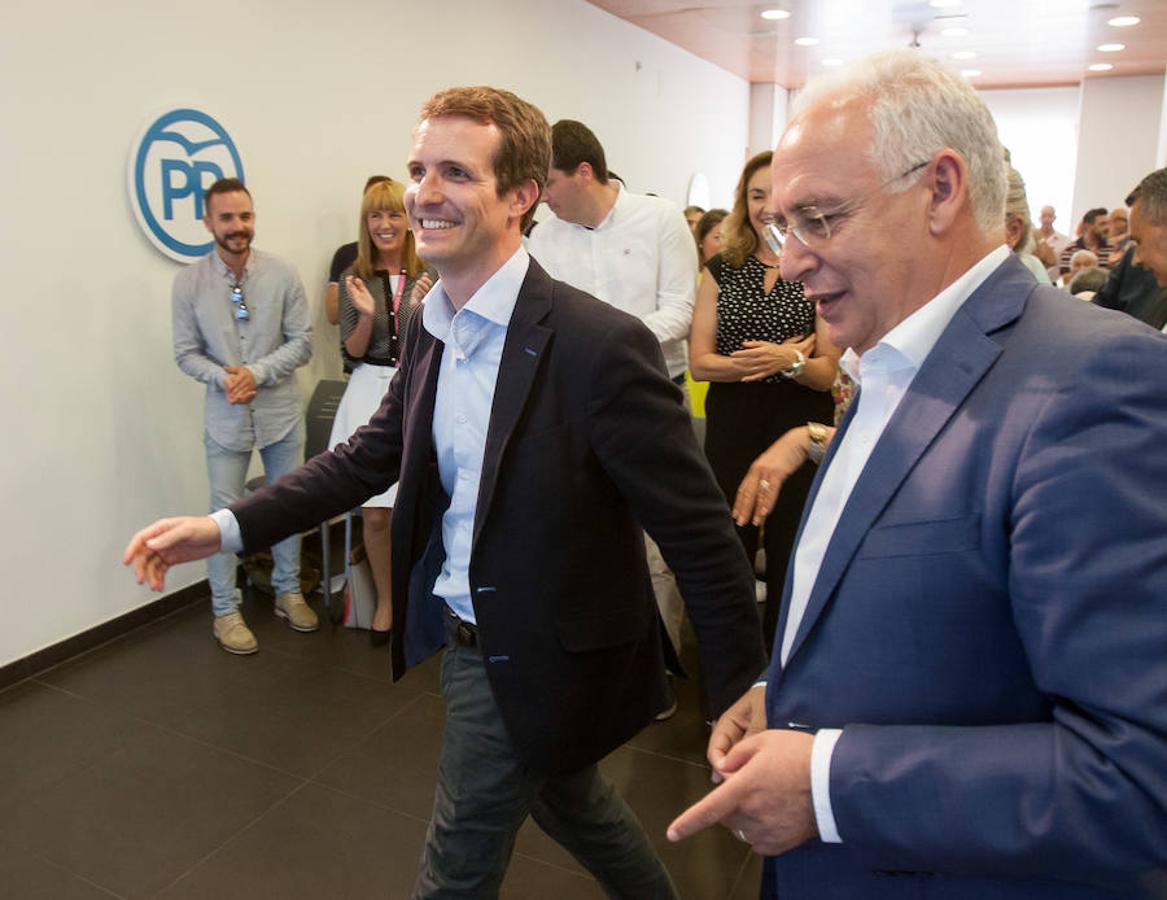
(964, 54)
(772, 15)
(806, 41)
(943, 4)
(1111, 48)
(832, 61)
(955, 32)
(970, 73)
(1123, 21)
(1100, 67)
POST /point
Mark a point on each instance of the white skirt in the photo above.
(362, 397)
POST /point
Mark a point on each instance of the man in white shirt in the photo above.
(967, 685)
(633, 251)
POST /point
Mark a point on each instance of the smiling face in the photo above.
(758, 199)
(231, 220)
(861, 279)
(387, 230)
(460, 223)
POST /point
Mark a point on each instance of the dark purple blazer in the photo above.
(587, 443)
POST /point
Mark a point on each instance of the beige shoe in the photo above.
(233, 634)
(297, 613)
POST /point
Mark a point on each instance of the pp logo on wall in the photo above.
(177, 157)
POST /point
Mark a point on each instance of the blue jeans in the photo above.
(227, 473)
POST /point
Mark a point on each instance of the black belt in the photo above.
(465, 633)
(379, 361)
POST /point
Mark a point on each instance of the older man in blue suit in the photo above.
(968, 691)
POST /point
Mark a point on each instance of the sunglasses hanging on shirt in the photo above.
(239, 305)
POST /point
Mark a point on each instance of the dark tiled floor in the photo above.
(160, 766)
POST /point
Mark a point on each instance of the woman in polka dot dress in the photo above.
(756, 339)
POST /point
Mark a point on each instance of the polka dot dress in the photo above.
(745, 312)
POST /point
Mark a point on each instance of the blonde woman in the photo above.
(379, 294)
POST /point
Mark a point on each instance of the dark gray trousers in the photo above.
(484, 795)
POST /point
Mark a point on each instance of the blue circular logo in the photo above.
(180, 155)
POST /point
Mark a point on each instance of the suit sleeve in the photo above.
(643, 438)
(1083, 794)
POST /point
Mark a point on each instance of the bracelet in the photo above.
(818, 442)
(795, 370)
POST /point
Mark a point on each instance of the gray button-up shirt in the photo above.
(274, 342)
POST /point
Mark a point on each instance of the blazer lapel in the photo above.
(419, 415)
(522, 353)
(961, 357)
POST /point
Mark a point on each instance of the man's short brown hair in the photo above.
(222, 186)
(524, 151)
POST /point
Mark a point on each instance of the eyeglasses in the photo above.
(242, 313)
(813, 227)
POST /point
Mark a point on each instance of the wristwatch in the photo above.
(799, 364)
(818, 442)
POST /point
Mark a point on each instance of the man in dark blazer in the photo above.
(534, 430)
(968, 693)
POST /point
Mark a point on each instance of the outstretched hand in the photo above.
(154, 549)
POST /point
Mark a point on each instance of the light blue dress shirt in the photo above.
(473, 336)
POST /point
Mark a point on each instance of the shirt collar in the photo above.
(225, 271)
(614, 212)
(912, 340)
(493, 302)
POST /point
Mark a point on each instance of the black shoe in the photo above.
(380, 638)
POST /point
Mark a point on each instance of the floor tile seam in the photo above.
(741, 874)
(362, 737)
(243, 829)
(177, 732)
(138, 632)
(377, 804)
(170, 728)
(297, 658)
(588, 876)
(669, 756)
(52, 863)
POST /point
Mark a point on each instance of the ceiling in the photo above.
(1016, 43)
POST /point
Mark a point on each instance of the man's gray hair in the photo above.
(917, 107)
(1151, 195)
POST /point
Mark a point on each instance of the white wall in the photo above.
(1040, 128)
(1118, 138)
(768, 109)
(104, 432)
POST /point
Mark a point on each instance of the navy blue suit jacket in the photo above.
(989, 625)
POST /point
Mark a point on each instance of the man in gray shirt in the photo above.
(241, 327)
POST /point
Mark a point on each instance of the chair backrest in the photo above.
(321, 412)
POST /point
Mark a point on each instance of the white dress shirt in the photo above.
(641, 259)
(884, 373)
